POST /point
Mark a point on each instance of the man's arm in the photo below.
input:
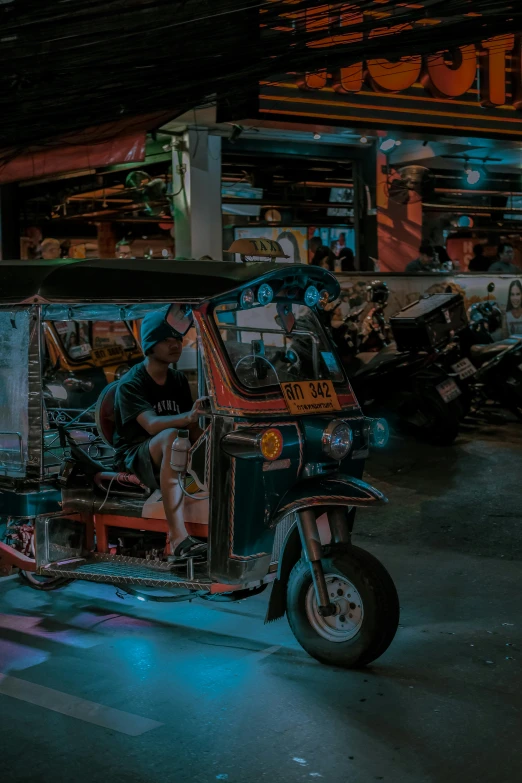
(154, 424)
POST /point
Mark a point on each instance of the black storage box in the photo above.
(429, 323)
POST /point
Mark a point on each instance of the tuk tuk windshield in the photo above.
(263, 354)
(81, 338)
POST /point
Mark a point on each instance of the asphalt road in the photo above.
(95, 688)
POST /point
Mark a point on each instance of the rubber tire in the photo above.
(47, 584)
(446, 416)
(380, 602)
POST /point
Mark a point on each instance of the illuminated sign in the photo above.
(473, 89)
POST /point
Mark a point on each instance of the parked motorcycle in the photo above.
(405, 383)
(487, 369)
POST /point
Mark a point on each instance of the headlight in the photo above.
(337, 440)
(379, 433)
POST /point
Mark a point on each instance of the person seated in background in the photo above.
(426, 262)
(347, 259)
(324, 257)
(504, 263)
(444, 260)
(479, 262)
(51, 248)
(123, 249)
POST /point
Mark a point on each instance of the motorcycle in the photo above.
(488, 370)
(411, 386)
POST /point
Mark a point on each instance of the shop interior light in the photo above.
(473, 175)
(388, 144)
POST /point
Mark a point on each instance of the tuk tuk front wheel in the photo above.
(367, 609)
(45, 583)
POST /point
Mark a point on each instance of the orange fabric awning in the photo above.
(103, 145)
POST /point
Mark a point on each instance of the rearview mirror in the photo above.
(491, 288)
(285, 317)
(180, 318)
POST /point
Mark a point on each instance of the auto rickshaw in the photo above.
(272, 484)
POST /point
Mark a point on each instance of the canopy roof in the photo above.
(126, 281)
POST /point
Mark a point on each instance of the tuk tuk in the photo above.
(272, 484)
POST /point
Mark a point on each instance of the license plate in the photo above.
(448, 390)
(310, 397)
(104, 355)
(464, 369)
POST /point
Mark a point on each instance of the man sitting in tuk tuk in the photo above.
(152, 402)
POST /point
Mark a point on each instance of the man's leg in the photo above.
(160, 449)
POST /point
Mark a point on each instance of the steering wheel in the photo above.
(245, 371)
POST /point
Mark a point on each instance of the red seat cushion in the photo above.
(109, 479)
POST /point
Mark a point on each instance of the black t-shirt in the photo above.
(137, 392)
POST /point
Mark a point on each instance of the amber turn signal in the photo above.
(271, 444)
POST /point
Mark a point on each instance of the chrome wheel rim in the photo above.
(346, 623)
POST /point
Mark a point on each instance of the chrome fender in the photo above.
(333, 490)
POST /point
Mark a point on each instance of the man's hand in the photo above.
(200, 407)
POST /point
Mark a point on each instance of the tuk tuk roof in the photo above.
(120, 280)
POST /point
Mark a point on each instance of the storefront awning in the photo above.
(103, 145)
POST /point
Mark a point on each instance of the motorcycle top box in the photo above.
(429, 323)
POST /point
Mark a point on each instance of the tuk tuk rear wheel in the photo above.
(359, 585)
(45, 583)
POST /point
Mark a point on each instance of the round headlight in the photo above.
(264, 294)
(379, 433)
(311, 296)
(337, 440)
(247, 298)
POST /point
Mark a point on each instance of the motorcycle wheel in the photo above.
(368, 614)
(437, 421)
(45, 583)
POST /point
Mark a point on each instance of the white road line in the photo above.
(88, 711)
(34, 626)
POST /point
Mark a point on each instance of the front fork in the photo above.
(341, 530)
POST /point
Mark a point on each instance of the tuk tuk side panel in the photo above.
(242, 498)
(257, 488)
(20, 393)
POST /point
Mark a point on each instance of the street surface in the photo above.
(96, 688)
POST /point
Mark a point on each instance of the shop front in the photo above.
(434, 143)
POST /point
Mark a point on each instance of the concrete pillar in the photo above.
(196, 170)
(399, 226)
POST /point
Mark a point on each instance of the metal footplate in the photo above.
(115, 569)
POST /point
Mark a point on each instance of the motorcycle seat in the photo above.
(485, 352)
(373, 360)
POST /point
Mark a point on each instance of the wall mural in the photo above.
(407, 289)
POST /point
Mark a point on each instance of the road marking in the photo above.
(35, 626)
(88, 711)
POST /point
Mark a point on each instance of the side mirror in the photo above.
(77, 385)
(491, 288)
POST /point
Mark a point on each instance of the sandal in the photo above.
(189, 547)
